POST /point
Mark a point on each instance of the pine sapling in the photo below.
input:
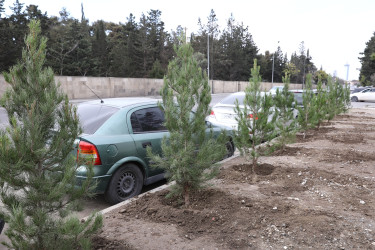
(255, 119)
(189, 152)
(306, 113)
(285, 113)
(37, 171)
(331, 99)
(320, 104)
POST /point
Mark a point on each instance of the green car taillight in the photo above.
(87, 152)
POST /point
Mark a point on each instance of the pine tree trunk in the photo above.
(187, 196)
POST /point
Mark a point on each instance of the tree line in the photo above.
(143, 49)
(367, 59)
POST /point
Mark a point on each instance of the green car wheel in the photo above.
(127, 182)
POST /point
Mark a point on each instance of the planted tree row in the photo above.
(281, 117)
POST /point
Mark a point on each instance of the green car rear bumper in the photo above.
(101, 182)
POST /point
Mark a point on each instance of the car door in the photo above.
(371, 95)
(364, 95)
(148, 130)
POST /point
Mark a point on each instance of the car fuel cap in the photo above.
(112, 150)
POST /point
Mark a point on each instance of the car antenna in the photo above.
(101, 100)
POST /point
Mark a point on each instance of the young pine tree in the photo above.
(189, 152)
(255, 119)
(37, 173)
(285, 112)
(338, 99)
(331, 99)
(343, 97)
(306, 113)
(320, 103)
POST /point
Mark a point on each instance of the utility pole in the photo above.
(347, 71)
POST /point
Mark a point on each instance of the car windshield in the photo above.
(92, 117)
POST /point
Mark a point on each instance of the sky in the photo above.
(334, 31)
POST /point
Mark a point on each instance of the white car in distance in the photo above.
(274, 89)
(223, 114)
(366, 95)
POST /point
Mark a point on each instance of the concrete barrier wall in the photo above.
(77, 87)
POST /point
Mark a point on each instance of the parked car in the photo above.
(366, 95)
(223, 114)
(115, 135)
(359, 89)
(274, 89)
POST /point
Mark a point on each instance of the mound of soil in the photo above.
(317, 193)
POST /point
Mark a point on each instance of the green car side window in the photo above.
(147, 120)
(135, 124)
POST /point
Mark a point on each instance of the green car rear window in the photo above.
(93, 116)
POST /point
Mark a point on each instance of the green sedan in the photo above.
(116, 133)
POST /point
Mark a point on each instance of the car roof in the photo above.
(122, 102)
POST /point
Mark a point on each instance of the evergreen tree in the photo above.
(13, 30)
(255, 118)
(157, 72)
(82, 62)
(320, 104)
(37, 171)
(188, 153)
(212, 31)
(62, 42)
(7, 57)
(306, 113)
(236, 54)
(331, 99)
(265, 63)
(367, 73)
(133, 55)
(285, 113)
(342, 101)
(2, 10)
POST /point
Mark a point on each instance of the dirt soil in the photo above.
(318, 193)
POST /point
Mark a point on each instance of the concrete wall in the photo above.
(77, 87)
(106, 87)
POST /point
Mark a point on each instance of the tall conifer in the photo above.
(286, 112)
(255, 118)
(306, 113)
(37, 172)
(189, 152)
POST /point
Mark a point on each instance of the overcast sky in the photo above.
(335, 31)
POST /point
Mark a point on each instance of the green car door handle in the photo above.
(146, 144)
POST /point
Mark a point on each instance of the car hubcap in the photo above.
(126, 184)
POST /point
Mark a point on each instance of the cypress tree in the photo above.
(189, 152)
(37, 172)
